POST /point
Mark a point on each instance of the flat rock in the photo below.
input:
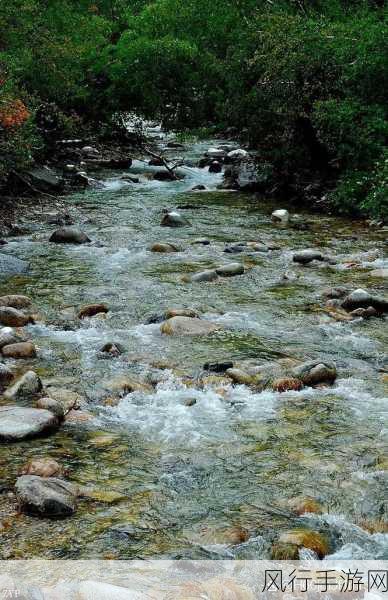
(188, 326)
(28, 386)
(69, 235)
(18, 423)
(230, 270)
(206, 276)
(46, 497)
(10, 265)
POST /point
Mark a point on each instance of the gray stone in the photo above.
(187, 326)
(208, 275)
(363, 299)
(45, 179)
(9, 265)
(315, 372)
(53, 406)
(46, 497)
(18, 423)
(15, 301)
(281, 216)
(306, 256)
(69, 235)
(28, 386)
(6, 375)
(230, 270)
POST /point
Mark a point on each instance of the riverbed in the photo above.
(211, 478)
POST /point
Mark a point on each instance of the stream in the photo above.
(210, 478)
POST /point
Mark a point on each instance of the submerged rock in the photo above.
(42, 467)
(19, 350)
(174, 219)
(164, 247)
(15, 301)
(181, 312)
(13, 317)
(362, 299)
(316, 372)
(280, 216)
(46, 497)
(91, 310)
(18, 423)
(9, 265)
(199, 188)
(69, 235)
(28, 386)
(188, 326)
(206, 276)
(230, 270)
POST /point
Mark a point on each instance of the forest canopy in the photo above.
(305, 82)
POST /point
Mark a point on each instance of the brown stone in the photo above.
(91, 310)
(14, 318)
(286, 384)
(43, 467)
(19, 350)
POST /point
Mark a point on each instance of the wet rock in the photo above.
(18, 423)
(78, 416)
(190, 402)
(86, 150)
(365, 313)
(188, 326)
(19, 350)
(181, 312)
(60, 218)
(122, 385)
(130, 178)
(156, 162)
(91, 310)
(215, 153)
(173, 144)
(286, 384)
(280, 216)
(335, 292)
(235, 248)
(218, 367)
(28, 386)
(258, 247)
(53, 406)
(302, 505)
(112, 349)
(203, 162)
(230, 270)
(46, 497)
(10, 265)
(383, 273)
(13, 317)
(164, 248)
(204, 276)
(199, 188)
(155, 318)
(15, 301)
(45, 179)
(362, 299)
(69, 235)
(306, 256)
(316, 372)
(42, 467)
(239, 376)
(237, 155)
(218, 382)
(66, 398)
(215, 167)
(305, 538)
(174, 219)
(164, 176)
(284, 552)
(6, 375)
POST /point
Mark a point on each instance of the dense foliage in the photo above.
(306, 81)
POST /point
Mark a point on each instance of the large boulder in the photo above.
(46, 497)
(18, 423)
(19, 350)
(69, 235)
(315, 372)
(9, 265)
(15, 301)
(45, 179)
(362, 299)
(12, 317)
(28, 386)
(230, 270)
(306, 256)
(174, 219)
(188, 326)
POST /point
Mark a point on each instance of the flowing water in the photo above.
(188, 479)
